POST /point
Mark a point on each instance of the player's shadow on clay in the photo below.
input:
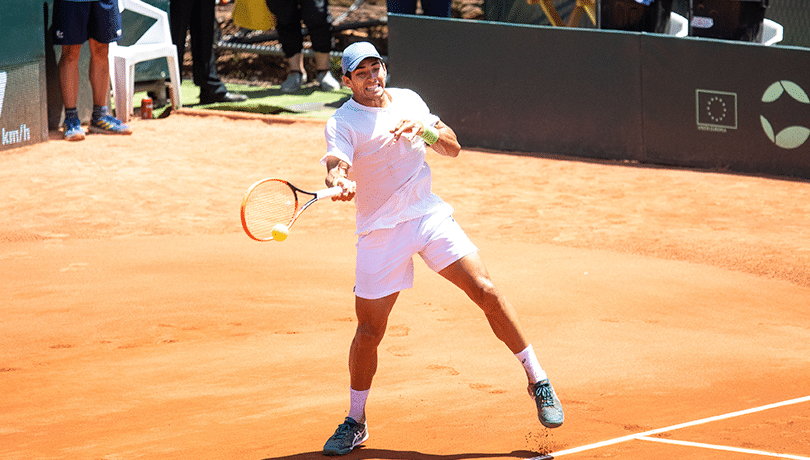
(363, 453)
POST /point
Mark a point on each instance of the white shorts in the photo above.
(385, 256)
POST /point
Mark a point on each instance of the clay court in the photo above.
(140, 322)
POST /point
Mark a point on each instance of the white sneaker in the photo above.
(326, 81)
(293, 82)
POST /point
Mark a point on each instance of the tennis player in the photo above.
(376, 144)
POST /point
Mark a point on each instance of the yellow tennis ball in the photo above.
(280, 232)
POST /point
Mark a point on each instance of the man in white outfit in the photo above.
(376, 145)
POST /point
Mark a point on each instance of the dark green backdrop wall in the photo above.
(22, 75)
(613, 95)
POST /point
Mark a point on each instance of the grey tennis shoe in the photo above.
(348, 435)
(293, 82)
(549, 407)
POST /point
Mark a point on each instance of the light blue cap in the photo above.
(354, 54)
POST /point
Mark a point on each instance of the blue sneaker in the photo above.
(73, 129)
(107, 124)
(348, 435)
(549, 407)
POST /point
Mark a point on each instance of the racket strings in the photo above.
(268, 204)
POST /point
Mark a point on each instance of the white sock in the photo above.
(534, 372)
(357, 409)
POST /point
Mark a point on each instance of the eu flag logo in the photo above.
(716, 109)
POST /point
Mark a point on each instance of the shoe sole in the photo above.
(93, 129)
(550, 425)
(221, 101)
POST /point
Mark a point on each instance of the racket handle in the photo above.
(329, 192)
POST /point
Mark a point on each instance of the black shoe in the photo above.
(221, 97)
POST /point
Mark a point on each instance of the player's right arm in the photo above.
(337, 174)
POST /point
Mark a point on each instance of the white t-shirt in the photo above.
(393, 179)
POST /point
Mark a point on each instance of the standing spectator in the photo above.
(315, 15)
(75, 22)
(198, 17)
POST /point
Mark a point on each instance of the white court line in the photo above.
(726, 448)
(632, 437)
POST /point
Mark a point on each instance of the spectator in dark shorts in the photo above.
(75, 22)
(314, 13)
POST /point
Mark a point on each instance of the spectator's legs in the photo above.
(322, 61)
(288, 25)
(99, 72)
(401, 6)
(295, 63)
(436, 8)
(201, 27)
(180, 17)
(69, 74)
(315, 14)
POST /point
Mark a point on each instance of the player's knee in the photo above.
(486, 295)
(369, 335)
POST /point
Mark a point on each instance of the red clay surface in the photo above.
(139, 322)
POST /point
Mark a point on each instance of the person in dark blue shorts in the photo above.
(75, 22)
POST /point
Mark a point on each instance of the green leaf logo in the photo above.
(791, 137)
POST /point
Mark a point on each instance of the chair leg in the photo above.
(130, 92)
(120, 88)
(174, 77)
(576, 16)
(582, 6)
(590, 8)
(551, 12)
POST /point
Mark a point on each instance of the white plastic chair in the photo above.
(772, 32)
(678, 25)
(155, 43)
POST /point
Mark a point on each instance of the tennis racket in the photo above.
(269, 202)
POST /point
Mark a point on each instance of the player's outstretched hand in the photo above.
(349, 189)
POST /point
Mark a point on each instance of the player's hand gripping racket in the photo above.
(270, 202)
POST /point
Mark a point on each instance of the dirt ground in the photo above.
(139, 322)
